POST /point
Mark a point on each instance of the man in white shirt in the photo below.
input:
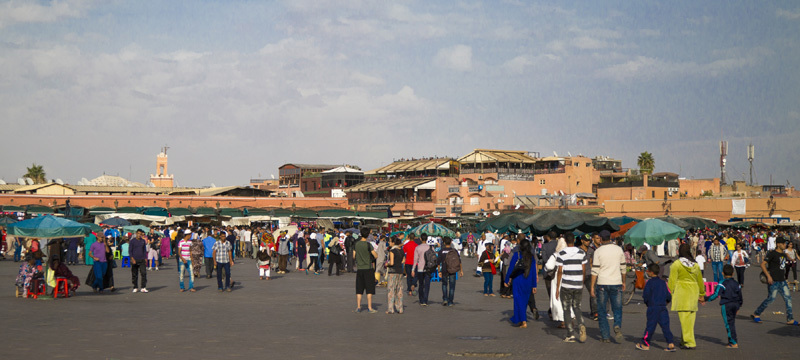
(608, 270)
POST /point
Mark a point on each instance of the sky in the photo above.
(238, 88)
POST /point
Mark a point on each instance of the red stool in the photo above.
(36, 288)
(710, 288)
(59, 282)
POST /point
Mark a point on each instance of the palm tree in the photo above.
(646, 162)
(36, 172)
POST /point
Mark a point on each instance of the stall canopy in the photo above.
(48, 226)
(653, 232)
(566, 220)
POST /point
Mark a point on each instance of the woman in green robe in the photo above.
(686, 285)
(87, 242)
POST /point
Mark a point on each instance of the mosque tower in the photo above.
(161, 179)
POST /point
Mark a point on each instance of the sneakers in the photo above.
(144, 290)
(618, 334)
(569, 339)
(444, 303)
(135, 290)
(582, 333)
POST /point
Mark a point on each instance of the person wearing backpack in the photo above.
(424, 265)
(449, 265)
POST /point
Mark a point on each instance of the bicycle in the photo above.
(637, 277)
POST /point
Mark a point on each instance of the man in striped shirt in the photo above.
(569, 278)
(185, 260)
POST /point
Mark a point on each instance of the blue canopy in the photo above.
(48, 226)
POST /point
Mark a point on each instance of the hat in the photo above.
(187, 232)
(605, 235)
(780, 240)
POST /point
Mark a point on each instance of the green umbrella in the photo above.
(653, 232)
(134, 228)
(96, 228)
(432, 229)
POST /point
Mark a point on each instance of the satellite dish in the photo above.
(213, 186)
(21, 181)
(29, 181)
(59, 182)
(495, 213)
(2, 182)
(569, 154)
(273, 176)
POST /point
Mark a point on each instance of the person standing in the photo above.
(420, 269)
(349, 241)
(97, 253)
(686, 284)
(791, 263)
(487, 262)
(739, 260)
(408, 250)
(283, 252)
(334, 256)
(774, 267)
(208, 254)
(449, 270)
(365, 276)
(88, 241)
(729, 293)
(588, 248)
(395, 277)
(222, 252)
(522, 280)
(185, 260)
(571, 264)
(608, 270)
(137, 250)
(717, 254)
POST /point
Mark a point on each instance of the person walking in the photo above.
(283, 252)
(185, 260)
(608, 270)
(717, 254)
(791, 264)
(774, 267)
(365, 275)
(408, 249)
(137, 250)
(656, 296)
(449, 270)
(222, 252)
(422, 268)
(521, 276)
(729, 293)
(740, 260)
(334, 256)
(208, 254)
(97, 253)
(571, 264)
(588, 248)
(394, 280)
(686, 285)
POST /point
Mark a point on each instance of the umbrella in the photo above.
(505, 223)
(433, 229)
(700, 223)
(135, 228)
(567, 220)
(115, 221)
(653, 232)
(96, 228)
(624, 229)
(675, 221)
(48, 226)
(622, 220)
(5, 220)
(352, 230)
(290, 230)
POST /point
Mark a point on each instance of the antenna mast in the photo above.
(723, 154)
(751, 155)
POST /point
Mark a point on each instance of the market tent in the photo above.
(96, 228)
(432, 229)
(115, 222)
(504, 223)
(230, 212)
(675, 221)
(563, 220)
(135, 228)
(5, 220)
(38, 209)
(290, 230)
(155, 211)
(653, 232)
(48, 226)
(700, 223)
(624, 229)
(622, 220)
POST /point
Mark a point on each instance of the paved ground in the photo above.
(299, 316)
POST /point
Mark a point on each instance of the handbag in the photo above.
(519, 269)
(640, 282)
(494, 268)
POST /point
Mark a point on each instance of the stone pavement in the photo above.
(302, 316)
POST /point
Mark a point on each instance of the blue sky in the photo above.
(237, 88)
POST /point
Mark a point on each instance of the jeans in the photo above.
(571, 300)
(99, 270)
(448, 288)
(716, 266)
(424, 282)
(488, 279)
(608, 294)
(592, 299)
(72, 256)
(139, 268)
(778, 287)
(18, 253)
(209, 264)
(411, 281)
(184, 267)
(226, 267)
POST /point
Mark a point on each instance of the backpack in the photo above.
(452, 262)
(430, 260)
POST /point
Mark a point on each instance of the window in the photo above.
(541, 181)
(654, 194)
(474, 201)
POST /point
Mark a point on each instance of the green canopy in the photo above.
(622, 220)
(101, 210)
(155, 211)
(563, 220)
(653, 232)
(48, 226)
(135, 228)
(205, 211)
(13, 208)
(129, 210)
(505, 223)
(96, 228)
(700, 223)
(39, 209)
(179, 211)
(675, 221)
(230, 212)
(5, 220)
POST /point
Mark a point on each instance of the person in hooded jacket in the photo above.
(687, 288)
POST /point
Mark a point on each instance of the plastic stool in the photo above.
(710, 286)
(36, 288)
(126, 261)
(435, 277)
(117, 255)
(59, 282)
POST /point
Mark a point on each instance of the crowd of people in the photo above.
(566, 263)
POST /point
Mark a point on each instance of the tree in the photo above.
(646, 163)
(36, 172)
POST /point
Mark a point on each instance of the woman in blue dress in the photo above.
(524, 282)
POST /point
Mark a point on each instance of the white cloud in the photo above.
(789, 14)
(588, 43)
(13, 12)
(458, 58)
(642, 67)
(365, 79)
(520, 64)
(649, 32)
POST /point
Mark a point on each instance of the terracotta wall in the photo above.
(714, 208)
(694, 187)
(89, 201)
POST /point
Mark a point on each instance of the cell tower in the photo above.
(751, 155)
(723, 154)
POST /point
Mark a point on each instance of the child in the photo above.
(656, 297)
(27, 272)
(263, 261)
(730, 300)
(701, 261)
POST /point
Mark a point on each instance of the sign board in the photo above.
(739, 207)
(441, 210)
